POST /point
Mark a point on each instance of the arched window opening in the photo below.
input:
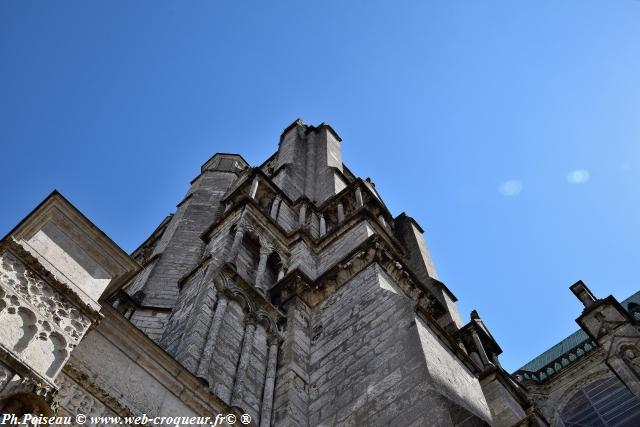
(605, 402)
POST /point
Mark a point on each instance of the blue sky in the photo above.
(509, 130)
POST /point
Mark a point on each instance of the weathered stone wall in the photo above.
(291, 157)
(75, 399)
(256, 369)
(287, 218)
(151, 321)
(367, 365)
(505, 411)
(227, 352)
(247, 260)
(180, 247)
(184, 309)
(302, 257)
(291, 401)
(328, 159)
(137, 376)
(343, 244)
(449, 375)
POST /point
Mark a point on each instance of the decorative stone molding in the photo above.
(631, 355)
(51, 323)
(74, 399)
(26, 391)
(80, 381)
(40, 295)
(29, 262)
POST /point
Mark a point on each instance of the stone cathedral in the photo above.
(280, 295)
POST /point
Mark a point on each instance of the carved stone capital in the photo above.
(274, 338)
(266, 248)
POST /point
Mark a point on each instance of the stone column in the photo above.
(265, 251)
(235, 247)
(269, 383)
(254, 187)
(359, 201)
(323, 225)
(340, 212)
(212, 336)
(274, 207)
(302, 218)
(245, 356)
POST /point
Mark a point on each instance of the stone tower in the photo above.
(292, 292)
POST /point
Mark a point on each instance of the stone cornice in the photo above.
(316, 245)
(374, 250)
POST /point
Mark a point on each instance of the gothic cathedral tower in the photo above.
(293, 294)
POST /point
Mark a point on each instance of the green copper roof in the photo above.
(571, 342)
(556, 351)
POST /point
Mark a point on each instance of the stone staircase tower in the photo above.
(295, 295)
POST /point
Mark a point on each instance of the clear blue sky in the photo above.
(509, 129)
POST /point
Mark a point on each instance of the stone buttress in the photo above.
(293, 294)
